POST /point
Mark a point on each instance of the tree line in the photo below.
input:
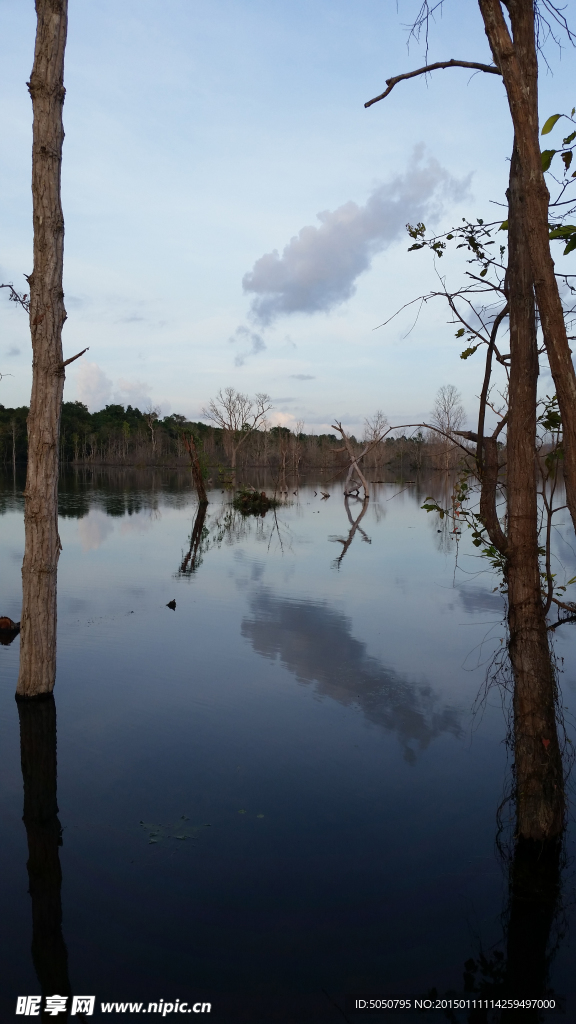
(124, 436)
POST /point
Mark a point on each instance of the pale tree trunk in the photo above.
(517, 60)
(538, 762)
(47, 315)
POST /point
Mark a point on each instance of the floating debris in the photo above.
(179, 830)
(8, 630)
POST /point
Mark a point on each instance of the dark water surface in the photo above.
(276, 793)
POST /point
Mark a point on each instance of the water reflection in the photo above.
(44, 835)
(193, 557)
(354, 526)
(315, 642)
(521, 969)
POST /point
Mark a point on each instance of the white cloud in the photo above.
(317, 270)
(133, 392)
(93, 386)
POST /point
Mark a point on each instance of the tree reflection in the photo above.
(521, 969)
(193, 557)
(354, 527)
(44, 835)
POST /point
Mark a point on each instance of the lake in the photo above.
(281, 791)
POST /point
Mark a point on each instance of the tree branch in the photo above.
(72, 358)
(391, 82)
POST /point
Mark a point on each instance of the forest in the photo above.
(126, 436)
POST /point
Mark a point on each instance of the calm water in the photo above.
(276, 793)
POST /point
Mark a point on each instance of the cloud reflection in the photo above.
(315, 642)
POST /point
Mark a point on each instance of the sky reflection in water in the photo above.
(315, 715)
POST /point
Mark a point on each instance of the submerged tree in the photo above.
(47, 315)
(527, 287)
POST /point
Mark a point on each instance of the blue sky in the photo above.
(202, 137)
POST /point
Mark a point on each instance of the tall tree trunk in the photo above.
(517, 59)
(538, 771)
(38, 754)
(47, 315)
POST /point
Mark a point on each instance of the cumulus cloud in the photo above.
(318, 268)
(133, 392)
(246, 336)
(93, 386)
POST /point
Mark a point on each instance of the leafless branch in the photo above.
(23, 300)
(391, 82)
(77, 356)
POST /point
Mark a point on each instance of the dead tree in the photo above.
(47, 315)
(238, 416)
(355, 478)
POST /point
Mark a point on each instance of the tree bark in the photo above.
(538, 762)
(47, 315)
(517, 59)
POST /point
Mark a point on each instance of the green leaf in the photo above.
(503, 226)
(569, 138)
(469, 351)
(459, 333)
(563, 231)
(550, 123)
(484, 272)
(546, 157)
(567, 158)
(571, 245)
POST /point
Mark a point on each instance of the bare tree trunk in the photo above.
(13, 425)
(517, 59)
(539, 776)
(47, 315)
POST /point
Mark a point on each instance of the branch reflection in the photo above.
(354, 527)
